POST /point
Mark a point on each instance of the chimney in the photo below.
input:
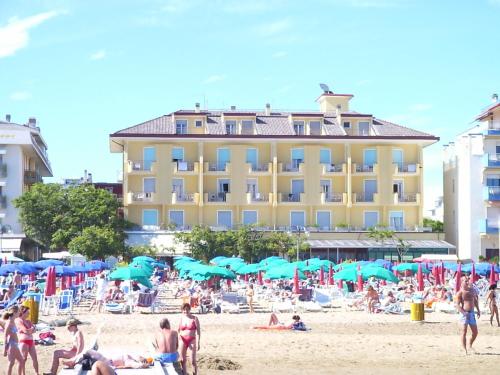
(233, 108)
(197, 107)
(7, 118)
(268, 109)
(32, 122)
(494, 98)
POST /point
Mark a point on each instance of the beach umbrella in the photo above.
(383, 263)
(228, 261)
(248, 268)
(330, 275)
(458, 281)
(286, 271)
(378, 273)
(50, 282)
(96, 265)
(360, 279)
(296, 281)
(443, 274)
(144, 258)
(435, 273)
(318, 264)
(347, 274)
(217, 259)
(43, 264)
(412, 267)
(259, 278)
(59, 271)
(131, 273)
(321, 276)
(420, 278)
(271, 264)
(473, 272)
(493, 279)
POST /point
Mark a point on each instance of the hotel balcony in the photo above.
(406, 169)
(185, 198)
(3, 201)
(32, 177)
(141, 166)
(140, 197)
(365, 198)
(491, 160)
(492, 131)
(217, 198)
(185, 168)
(333, 169)
(3, 170)
(488, 228)
(296, 198)
(259, 198)
(364, 169)
(407, 198)
(217, 168)
(491, 193)
(333, 198)
(291, 169)
(260, 169)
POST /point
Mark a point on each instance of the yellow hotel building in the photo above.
(333, 173)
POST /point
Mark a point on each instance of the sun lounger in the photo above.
(309, 306)
(283, 306)
(13, 300)
(157, 369)
(393, 308)
(322, 298)
(445, 307)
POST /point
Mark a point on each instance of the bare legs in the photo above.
(13, 356)
(494, 312)
(474, 331)
(183, 349)
(101, 368)
(31, 350)
(60, 354)
(273, 320)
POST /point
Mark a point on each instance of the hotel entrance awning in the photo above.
(372, 244)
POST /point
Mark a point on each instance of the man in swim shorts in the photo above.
(166, 343)
(467, 300)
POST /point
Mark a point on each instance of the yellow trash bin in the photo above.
(33, 312)
(417, 312)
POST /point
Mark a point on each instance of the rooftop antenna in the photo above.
(325, 88)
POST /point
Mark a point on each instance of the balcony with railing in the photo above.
(185, 198)
(32, 177)
(407, 198)
(3, 201)
(491, 160)
(291, 168)
(369, 198)
(406, 168)
(260, 169)
(330, 169)
(364, 169)
(259, 198)
(141, 197)
(141, 166)
(3, 170)
(488, 227)
(491, 193)
(218, 198)
(290, 197)
(185, 167)
(217, 168)
(333, 198)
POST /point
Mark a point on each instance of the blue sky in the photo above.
(88, 68)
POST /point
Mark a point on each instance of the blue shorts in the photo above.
(167, 358)
(468, 318)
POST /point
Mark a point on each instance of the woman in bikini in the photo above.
(189, 331)
(25, 330)
(491, 297)
(11, 342)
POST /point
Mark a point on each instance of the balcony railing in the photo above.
(365, 197)
(217, 167)
(141, 196)
(260, 168)
(258, 197)
(290, 167)
(333, 168)
(406, 197)
(487, 227)
(290, 197)
(406, 167)
(333, 197)
(3, 170)
(184, 198)
(365, 168)
(217, 197)
(32, 177)
(492, 193)
(491, 160)
(3, 201)
(185, 166)
(140, 165)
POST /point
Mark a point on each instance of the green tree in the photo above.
(249, 243)
(384, 235)
(202, 242)
(436, 225)
(96, 243)
(131, 252)
(285, 244)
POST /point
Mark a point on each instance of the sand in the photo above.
(338, 342)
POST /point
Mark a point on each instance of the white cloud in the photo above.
(279, 54)
(98, 55)
(213, 78)
(420, 107)
(15, 35)
(273, 28)
(20, 95)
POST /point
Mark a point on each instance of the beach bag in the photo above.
(217, 309)
(87, 362)
(47, 335)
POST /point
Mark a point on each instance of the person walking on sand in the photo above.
(189, 332)
(491, 299)
(250, 293)
(466, 301)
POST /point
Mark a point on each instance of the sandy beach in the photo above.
(338, 342)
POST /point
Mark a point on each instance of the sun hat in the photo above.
(73, 322)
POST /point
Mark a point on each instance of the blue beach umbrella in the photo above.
(42, 264)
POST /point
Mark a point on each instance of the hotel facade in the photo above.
(472, 187)
(331, 173)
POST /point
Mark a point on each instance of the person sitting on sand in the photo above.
(76, 348)
(166, 343)
(389, 300)
(372, 299)
(274, 323)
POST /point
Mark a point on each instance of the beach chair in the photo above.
(147, 300)
(65, 303)
(308, 306)
(322, 298)
(17, 295)
(283, 306)
(393, 308)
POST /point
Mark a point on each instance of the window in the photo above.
(297, 157)
(177, 218)
(297, 219)
(370, 219)
(397, 158)
(198, 123)
(364, 128)
(181, 126)
(150, 217)
(315, 127)
(225, 219)
(252, 157)
(223, 157)
(230, 127)
(325, 156)
(249, 217)
(396, 220)
(247, 127)
(177, 154)
(347, 125)
(323, 220)
(149, 185)
(149, 154)
(298, 127)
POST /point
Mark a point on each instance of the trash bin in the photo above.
(33, 312)
(417, 312)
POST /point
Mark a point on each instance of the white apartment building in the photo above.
(437, 211)
(472, 187)
(23, 162)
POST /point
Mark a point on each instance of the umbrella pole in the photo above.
(337, 255)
